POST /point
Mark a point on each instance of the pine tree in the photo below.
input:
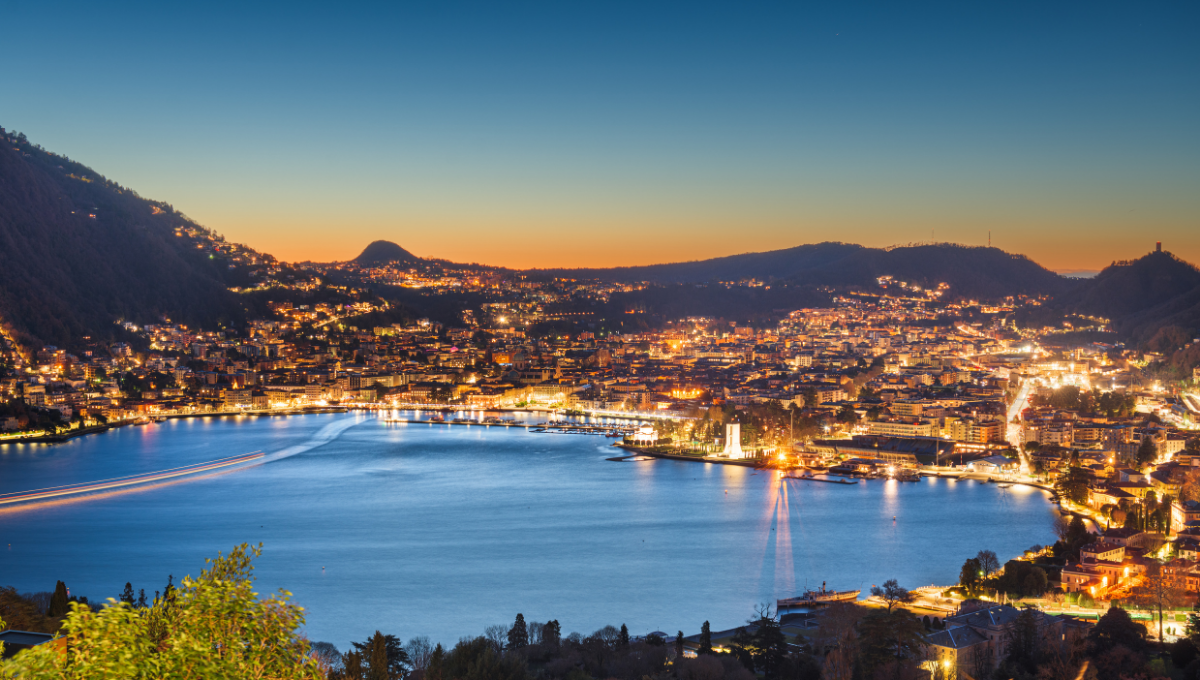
(624, 639)
(433, 670)
(58, 601)
(141, 601)
(518, 635)
(377, 661)
(127, 594)
(679, 645)
(705, 639)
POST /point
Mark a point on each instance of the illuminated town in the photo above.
(764, 341)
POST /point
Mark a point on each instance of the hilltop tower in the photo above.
(1158, 246)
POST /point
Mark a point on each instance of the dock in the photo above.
(407, 421)
(532, 427)
(827, 481)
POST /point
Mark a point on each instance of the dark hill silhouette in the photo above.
(987, 273)
(384, 252)
(78, 252)
(1142, 296)
(971, 272)
(1125, 288)
(774, 264)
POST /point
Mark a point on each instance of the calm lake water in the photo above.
(443, 530)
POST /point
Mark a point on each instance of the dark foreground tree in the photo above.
(518, 635)
(127, 594)
(988, 562)
(891, 593)
(1115, 629)
(552, 634)
(384, 656)
(58, 601)
(478, 659)
(705, 639)
(890, 637)
(765, 648)
(1159, 589)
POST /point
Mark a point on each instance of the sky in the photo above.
(542, 134)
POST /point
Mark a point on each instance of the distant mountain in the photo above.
(78, 252)
(970, 272)
(380, 253)
(1141, 297)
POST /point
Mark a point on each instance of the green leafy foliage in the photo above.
(213, 626)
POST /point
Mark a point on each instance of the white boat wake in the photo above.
(24, 499)
(322, 437)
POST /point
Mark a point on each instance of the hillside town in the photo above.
(890, 383)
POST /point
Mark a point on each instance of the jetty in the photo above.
(818, 479)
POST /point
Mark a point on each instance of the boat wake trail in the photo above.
(126, 483)
(174, 475)
(322, 437)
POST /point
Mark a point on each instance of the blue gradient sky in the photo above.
(589, 133)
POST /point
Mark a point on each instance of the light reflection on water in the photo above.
(443, 530)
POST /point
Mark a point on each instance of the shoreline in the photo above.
(301, 411)
(100, 429)
(625, 448)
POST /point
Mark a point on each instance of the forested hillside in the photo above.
(1143, 298)
(79, 252)
(988, 273)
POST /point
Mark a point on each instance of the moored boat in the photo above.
(822, 596)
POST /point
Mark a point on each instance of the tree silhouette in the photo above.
(518, 635)
(891, 593)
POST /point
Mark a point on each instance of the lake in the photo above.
(439, 530)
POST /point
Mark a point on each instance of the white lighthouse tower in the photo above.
(733, 441)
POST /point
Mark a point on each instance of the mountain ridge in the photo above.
(80, 252)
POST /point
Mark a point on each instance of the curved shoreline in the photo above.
(100, 429)
(775, 564)
(303, 411)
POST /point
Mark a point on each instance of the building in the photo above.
(971, 431)
(900, 428)
(907, 452)
(1184, 515)
(15, 641)
(733, 441)
(994, 465)
(645, 436)
(976, 640)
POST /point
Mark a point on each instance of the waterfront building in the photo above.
(733, 442)
(902, 451)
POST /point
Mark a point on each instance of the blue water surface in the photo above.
(440, 530)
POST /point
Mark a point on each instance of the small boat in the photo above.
(1005, 485)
